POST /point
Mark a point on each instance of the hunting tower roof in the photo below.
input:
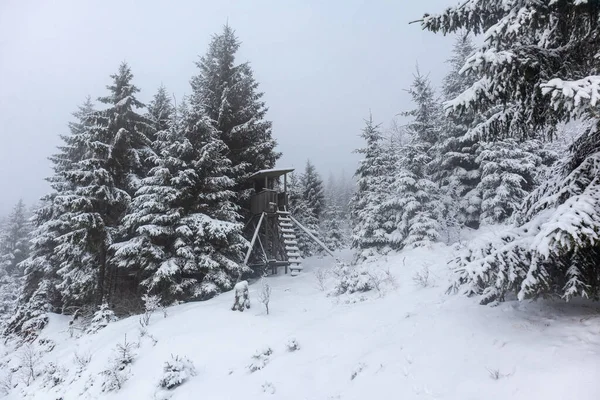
(270, 173)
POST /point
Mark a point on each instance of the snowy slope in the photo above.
(412, 343)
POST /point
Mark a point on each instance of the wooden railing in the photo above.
(265, 201)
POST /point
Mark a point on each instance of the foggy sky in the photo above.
(322, 65)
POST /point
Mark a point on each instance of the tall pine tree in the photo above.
(14, 248)
(70, 265)
(413, 204)
(39, 294)
(229, 95)
(374, 175)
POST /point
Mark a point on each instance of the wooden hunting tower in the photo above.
(274, 243)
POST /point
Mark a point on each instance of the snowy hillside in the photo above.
(411, 342)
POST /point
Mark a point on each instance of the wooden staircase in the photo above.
(290, 241)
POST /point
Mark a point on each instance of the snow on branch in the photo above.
(573, 96)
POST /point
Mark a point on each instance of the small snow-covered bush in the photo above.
(176, 372)
(242, 296)
(113, 379)
(6, 382)
(351, 280)
(268, 387)
(260, 359)
(101, 318)
(53, 374)
(117, 373)
(292, 345)
(46, 345)
(124, 354)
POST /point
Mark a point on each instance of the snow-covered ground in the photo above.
(412, 342)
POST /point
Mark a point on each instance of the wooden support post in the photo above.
(253, 239)
(313, 237)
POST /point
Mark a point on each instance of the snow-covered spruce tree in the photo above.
(160, 113)
(14, 240)
(308, 203)
(312, 190)
(104, 181)
(332, 227)
(38, 293)
(79, 221)
(413, 204)
(184, 233)
(455, 166)
(14, 248)
(231, 100)
(374, 176)
(537, 67)
(333, 220)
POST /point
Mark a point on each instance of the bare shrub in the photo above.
(321, 275)
(264, 296)
(29, 358)
(151, 304)
(82, 360)
(422, 278)
(390, 279)
(260, 359)
(495, 374)
(357, 370)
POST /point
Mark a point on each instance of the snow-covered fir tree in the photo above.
(14, 248)
(80, 220)
(335, 221)
(332, 227)
(312, 190)
(14, 239)
(413, 206)
(231, 100)
(536, 68)
(160, 113)
(374, 176)
(455, 167)
(38, 292)
(184, 232)
(307, 204)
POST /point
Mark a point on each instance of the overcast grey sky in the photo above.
(321, 64)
